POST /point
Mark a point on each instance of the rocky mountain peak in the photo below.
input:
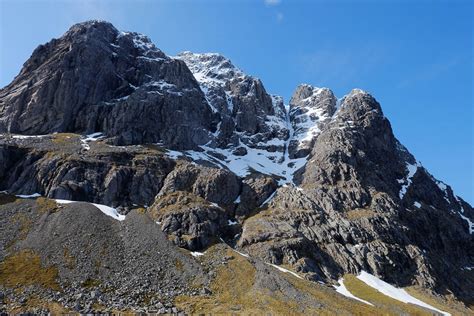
(310, 109)
(210, 66)
(320, 185)
(359, 107)
(92, 29)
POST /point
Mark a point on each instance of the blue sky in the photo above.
(415, 57)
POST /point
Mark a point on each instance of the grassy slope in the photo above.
(234, 292)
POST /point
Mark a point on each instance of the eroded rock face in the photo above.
(247, 113)
(365, 204)
(190, 221)
(108, 175)
(215, 185)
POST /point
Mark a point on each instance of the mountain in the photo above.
(136, 181)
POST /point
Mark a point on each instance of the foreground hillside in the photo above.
(136, 181)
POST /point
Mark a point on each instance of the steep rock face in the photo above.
(215, 185)
(247, 112)
(364, 203)
(59, 167)
(191, 221)
(310, 108)
(95, 78)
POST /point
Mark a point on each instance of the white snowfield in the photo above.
(341, 289)
(107, 210)
(394, 292)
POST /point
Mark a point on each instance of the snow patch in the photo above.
(393, 292)
(341, 289)
(91, 138)
(27, 136)
(28, 196)
(107, 210)
(196, 254)
(285, 270)
(417, 204)
(269, 198)
(242, 254)
(412, 168)
(231, 223)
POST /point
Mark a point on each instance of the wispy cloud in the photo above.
(272, 2)
(430, 72)
(279, 17)
(343, 64)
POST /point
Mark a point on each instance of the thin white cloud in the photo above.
(429, 72)
(280, 16)
(342, 64)
(272, 2)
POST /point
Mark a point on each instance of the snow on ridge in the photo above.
(412, 168)
(140, 41)
(341, 289)
(107, 210)
(469, 223)
(394, 292)
(210, 66)
(444, 188)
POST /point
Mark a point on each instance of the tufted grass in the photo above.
(233, 291)
(45, 205)
(359, 213)
(24, 268)
(64, 138)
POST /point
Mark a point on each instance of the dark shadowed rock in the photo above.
(95, 78)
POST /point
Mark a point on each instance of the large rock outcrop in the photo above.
(97, 79)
